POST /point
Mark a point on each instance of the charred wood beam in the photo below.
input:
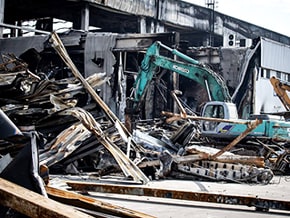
(60, 49)
(251, 126)
(174, 116)
(260, 203)
(249, 160)
(84, 202)
(36, 205)
(116, 152)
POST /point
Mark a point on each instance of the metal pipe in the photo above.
(179, 54)
(207, 90)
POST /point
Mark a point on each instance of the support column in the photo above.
(2, 6)
(85, 17)
(142, 23)
(152, 27)
(81, 20)
(160, 28)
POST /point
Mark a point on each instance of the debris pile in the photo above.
(70, 130)
(76, 132)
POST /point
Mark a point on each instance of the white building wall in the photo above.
(266, 100)
(275, 61)
(275, 56)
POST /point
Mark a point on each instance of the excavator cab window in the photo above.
(213, 111)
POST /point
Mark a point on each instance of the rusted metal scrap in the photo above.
(11, 63)
(36, 107)
(250, 201)
(66, 142)
(127, 166)
(61, 147)
(59, 47)
(124, 162)
(21, 183)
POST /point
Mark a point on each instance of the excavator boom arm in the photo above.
(211, 81)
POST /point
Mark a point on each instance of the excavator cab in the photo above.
(218, 110)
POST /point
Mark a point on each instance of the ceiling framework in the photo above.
(191, 21)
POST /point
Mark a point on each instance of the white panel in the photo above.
(275, 56)
(266, 100)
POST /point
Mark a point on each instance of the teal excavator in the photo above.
(220, 105)
(211, 81)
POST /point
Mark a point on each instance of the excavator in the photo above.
(219, 120)
(220, 105)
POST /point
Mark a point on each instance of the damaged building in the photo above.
(142, 91)
(102, 44)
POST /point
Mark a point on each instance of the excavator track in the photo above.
(227, 172)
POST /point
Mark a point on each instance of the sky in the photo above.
(270, 14)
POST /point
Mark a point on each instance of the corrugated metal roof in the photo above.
(275, 56)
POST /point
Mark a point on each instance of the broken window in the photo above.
(279, 75)
(262, 73)
(268, 73)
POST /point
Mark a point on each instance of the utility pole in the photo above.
(211, 5)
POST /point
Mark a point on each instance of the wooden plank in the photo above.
(33, 204)
(84, 202)
(251, 126)
(174, 116)
(60, 49)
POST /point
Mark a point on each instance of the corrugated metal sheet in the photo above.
(137, 7)
(185, 14)
(275, 56)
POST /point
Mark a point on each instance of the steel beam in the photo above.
(250, 201)
(137, 42)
